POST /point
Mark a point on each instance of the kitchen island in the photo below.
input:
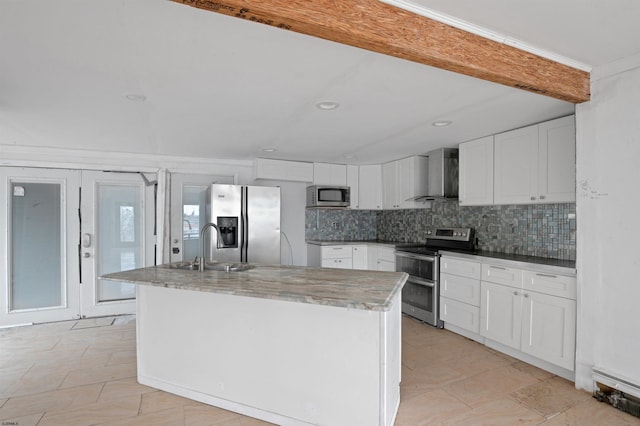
(289, 345)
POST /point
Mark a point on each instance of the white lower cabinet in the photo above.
(541, 325)
(385, 259)
(360, 257)
(527, 313)
(352, 256)
(460, 293)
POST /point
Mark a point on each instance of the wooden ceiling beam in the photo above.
(382, 28)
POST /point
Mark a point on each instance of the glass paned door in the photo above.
(39, 256)
(117, 235)
(188, 212)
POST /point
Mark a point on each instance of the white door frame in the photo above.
(90, 305)
(69, 308)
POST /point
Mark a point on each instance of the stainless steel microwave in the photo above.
(328, 196)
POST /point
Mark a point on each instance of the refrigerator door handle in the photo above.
(244, 235)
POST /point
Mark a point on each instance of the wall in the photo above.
(608, 149)
(543, 230)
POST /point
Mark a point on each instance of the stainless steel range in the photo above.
(421, 293)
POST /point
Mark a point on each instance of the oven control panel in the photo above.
(451, 234)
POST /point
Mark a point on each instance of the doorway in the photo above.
(61, 230)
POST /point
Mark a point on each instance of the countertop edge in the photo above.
(538, 264)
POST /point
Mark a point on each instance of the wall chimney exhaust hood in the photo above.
(442, 175)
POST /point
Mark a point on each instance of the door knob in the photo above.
(86, 255)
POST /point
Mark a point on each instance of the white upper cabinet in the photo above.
(353, 182)
(329, 174)
(476, 172)
(516, 163)
(296, 171)
(402, 180)
(557, 161)
(536, 164)
(370, 187)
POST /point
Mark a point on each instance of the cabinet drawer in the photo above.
(385, 253)
(555, 285)
(462, 289)
(464, 268)
(460, 314)
(502, 275)
(344, 263)
(330, 252)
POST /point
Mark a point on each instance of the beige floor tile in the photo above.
(550, 397)
(52, 401)
(158, 401)
(496, 413)
(124, 388)
(96, 375)
(592, 413)
(492, 384)
(428, 377)
(536, 372)
(477, 362)
(39, 381)
(170, 417)
(429, 408)
(205, 415)
(10, 381)
(28, 420)
(122, 357)
(95, 413)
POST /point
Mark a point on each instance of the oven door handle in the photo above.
(415, 256)
(421, 282)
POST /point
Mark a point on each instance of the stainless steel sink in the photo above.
(212, 266)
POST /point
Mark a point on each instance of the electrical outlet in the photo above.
(334, 225)
(571, 216)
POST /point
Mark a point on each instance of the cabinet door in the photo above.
(390, 185)
(329, 174)
(476, 172)
(549, 328)
(360, 257)
(516, 166)
(461, 267)
(412, 180)
(370, 183)
(462, 289)
(460, 314)
(557, 161)
(501, 314)
(353, 183)
(342, 263)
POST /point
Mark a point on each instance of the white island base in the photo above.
(284, 362)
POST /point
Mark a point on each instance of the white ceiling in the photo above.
(221, 87)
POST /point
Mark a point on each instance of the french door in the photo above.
(59, 231)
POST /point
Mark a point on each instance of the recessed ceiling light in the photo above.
(327, 105)
(268, 150)
(441, 123)
(135, 97)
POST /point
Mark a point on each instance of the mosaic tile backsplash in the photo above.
(544, 230)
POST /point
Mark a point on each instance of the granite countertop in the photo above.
(367, 290)
(541, 264)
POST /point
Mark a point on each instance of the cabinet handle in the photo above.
(547, 275)
(498, 267)
(526, 295)
(515, 293)
(542, 197)
(533, 198)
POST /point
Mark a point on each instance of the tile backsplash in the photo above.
(544, 230)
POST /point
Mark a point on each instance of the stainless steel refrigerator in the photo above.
(249, 221)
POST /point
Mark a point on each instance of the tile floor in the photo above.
(83, 373)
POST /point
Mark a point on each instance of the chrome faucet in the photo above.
(202, 248)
